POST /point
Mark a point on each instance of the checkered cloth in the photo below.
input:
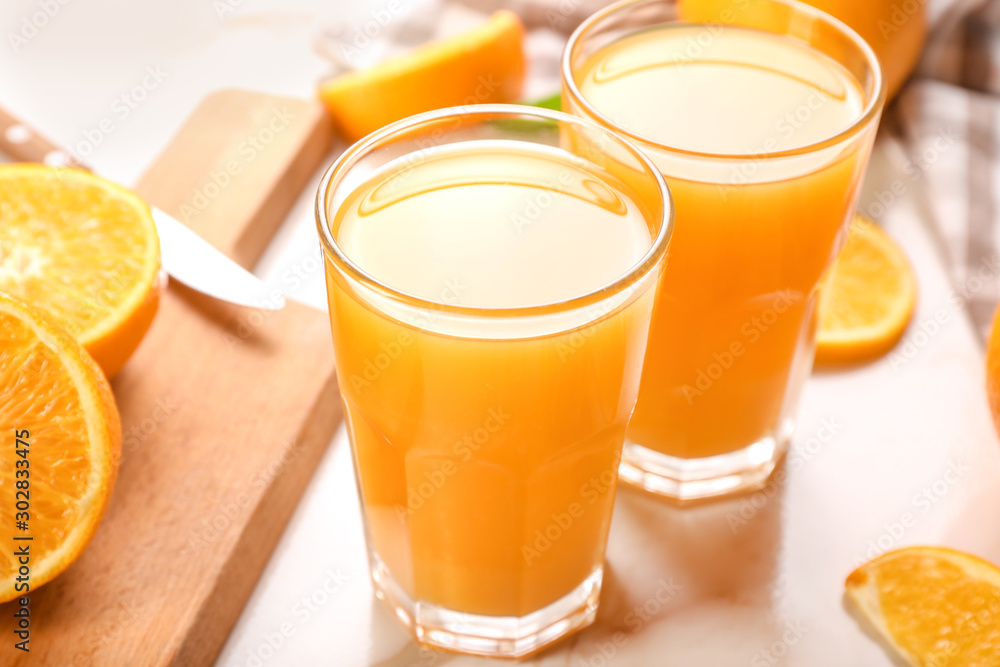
(947, 121)
(944, 126)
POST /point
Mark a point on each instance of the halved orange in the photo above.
(84, 252)
(61, 445)
(868, 300)
(482, 65)
(933, 606)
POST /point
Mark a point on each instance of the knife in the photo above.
(187, 257)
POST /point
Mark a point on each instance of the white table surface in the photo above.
(907, 454)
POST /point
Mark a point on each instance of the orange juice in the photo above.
(487, 439)
(723, 110)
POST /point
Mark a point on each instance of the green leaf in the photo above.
(553, 102)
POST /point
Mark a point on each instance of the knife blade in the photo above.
(192, 260)
(187, 257)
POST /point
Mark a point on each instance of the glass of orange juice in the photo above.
(761, 117)
(491, 273)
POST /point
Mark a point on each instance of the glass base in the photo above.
(491, 636)
(686, 480)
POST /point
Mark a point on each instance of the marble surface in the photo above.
(894, 453)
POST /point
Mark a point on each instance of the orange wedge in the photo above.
(933, 606)
(61, 444)
(84, 252)
(993, 370)
(868, 300)
(482, 65)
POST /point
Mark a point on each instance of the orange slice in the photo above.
(84, 252)
(482, 65)
(868, 300)
(933, 606)
(61, 443)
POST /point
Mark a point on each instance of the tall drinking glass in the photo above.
(491, 273)
(760, 115)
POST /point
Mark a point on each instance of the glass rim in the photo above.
(635, 273)
(871, 110)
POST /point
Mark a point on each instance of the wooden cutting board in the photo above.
(225, 411)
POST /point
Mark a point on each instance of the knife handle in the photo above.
(23, 142)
